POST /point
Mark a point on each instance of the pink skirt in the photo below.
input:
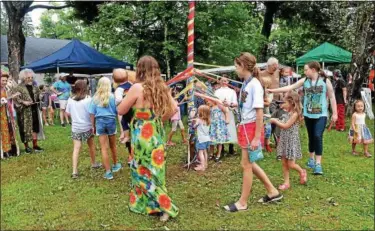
(249, 128)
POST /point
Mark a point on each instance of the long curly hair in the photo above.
(103, 92)
(155, 91)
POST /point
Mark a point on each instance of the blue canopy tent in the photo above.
(78, 58)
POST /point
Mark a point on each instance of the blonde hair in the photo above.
(155, 91)
(103, 92)
(294, 99)
(204, 114)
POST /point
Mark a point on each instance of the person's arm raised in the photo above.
(130, 99)
(296, 85)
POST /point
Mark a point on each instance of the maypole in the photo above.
(190, 62)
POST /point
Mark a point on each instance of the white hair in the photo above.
(272, 61)
(22, 75)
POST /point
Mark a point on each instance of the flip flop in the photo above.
(368, 155)
(267, 199)
(233, 208)
(284, 186)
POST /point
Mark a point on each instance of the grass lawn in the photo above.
(38, 193)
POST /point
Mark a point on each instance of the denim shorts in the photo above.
(267, 130)
(105, 126)
(202, 146)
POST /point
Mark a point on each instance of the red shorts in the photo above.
(250, 130)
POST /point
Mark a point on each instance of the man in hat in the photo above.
(339, 85)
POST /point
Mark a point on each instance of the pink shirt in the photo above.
(176, 116)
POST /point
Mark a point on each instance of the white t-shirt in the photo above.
(225, 93)
(203, 132)
(252, 98)
(79, 112)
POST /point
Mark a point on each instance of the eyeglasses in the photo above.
(29, 77)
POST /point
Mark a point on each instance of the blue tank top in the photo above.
(315, 99)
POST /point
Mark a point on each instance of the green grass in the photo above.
(38, 193)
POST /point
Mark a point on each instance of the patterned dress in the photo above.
(4, 125)
(218, 130)
(147, 166)
(289, 145)
(361, 134)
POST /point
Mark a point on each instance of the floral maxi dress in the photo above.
(147, 166)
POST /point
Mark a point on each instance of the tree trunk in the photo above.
(364, 48)
(271, 8)
(16, 39)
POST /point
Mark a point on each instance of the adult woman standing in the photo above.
(28, 114)
(152, 103)
(251, 131)
(315, 110)
(8, 140)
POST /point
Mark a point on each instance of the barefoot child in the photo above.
(289, 146)
(266, 83)
(202, 125)
(82, 130)
(103, 114)
(219, 118)
(359, 132)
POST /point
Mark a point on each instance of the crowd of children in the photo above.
(98, 115)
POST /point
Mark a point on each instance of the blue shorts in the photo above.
(105, 126)
(267, 130)
(202, 146)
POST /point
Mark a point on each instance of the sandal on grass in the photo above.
(267, 199)
(367, 154)
(233, 208)
(284, 186)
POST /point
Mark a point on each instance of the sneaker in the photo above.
(311, 163)
(63, 125)
(28, 150)
(278, 157)
(96, 165)
(116, 167)
(46, 124)
(108, 176)
(318, 170)
(38, 149)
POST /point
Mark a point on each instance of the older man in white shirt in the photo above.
(229, 97)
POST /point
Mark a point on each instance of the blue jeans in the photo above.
(315, 130)
(105, 126)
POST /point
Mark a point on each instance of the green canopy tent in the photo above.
(325, 53)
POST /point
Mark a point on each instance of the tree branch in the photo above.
(46, 7)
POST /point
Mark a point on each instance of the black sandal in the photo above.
(233, 208)
(267, 199)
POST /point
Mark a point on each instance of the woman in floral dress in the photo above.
(148, 99)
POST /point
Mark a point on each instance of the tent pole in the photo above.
(323, 65)
(58, 70)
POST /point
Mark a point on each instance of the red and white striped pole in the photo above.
(190, 64)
